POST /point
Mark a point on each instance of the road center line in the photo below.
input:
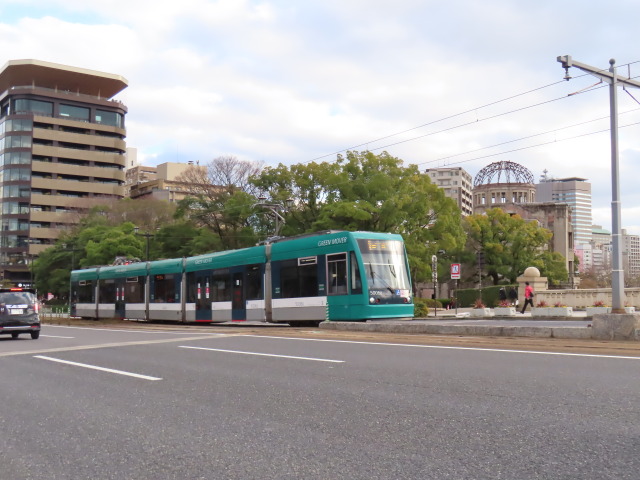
(443, 347)
(264, 354)
(94, 367)
(113, 345)
(134, 330)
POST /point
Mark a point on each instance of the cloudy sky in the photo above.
(435, 83)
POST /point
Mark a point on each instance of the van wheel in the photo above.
(308, 323)
(14, 335)
(35, 335)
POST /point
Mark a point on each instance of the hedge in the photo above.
(490, 295)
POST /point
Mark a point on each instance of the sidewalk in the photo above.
(466, 312)
(448, 322)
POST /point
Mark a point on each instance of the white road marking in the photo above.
(110, 345)
(442, 347)
(54, 336)
(94, 367)
(264, 354)
(133, 330)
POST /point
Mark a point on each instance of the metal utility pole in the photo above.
(610, 76)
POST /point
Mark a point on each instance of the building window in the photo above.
(75, 113)
(17, 125)
(23, 105)
(109, 118)
(15, 141)
(15, 158)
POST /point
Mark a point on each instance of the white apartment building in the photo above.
(457, 184)
(630, 254)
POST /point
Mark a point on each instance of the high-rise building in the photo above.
(456, 183)
(62, 148)
(575, 192)
(601, 241)
(630, 254)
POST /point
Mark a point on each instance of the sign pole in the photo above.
(455, 275)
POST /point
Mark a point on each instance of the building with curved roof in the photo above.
(510, 187)
(501, 183)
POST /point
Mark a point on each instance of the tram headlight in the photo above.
(372, 300)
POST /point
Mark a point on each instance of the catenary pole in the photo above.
(611, 77)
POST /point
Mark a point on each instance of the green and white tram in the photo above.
(340, 276)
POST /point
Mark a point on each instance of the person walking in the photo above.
(502, 294)
(528, 297)
(513, 297)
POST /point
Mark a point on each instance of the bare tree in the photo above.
(227, 173)
(221, 197)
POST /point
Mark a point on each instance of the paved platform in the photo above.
(448, 322)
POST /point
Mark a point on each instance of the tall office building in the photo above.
(456, 183)
(575, 192)
(62, 148)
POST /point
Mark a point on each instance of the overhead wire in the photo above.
(538, 144)
(525, 138)
(433, 122)
(589, 89)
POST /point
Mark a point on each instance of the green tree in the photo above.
(553, 266)
(103, 243)
(510, 244)
(51, 270)
(369, 192)
(184, 239)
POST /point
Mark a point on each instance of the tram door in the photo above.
(238, 304)
(120, 303)
(203, 296)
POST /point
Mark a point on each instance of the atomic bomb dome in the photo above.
(503, 182)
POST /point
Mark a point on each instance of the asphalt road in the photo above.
(205, 403)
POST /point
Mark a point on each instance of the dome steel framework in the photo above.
(504, 172)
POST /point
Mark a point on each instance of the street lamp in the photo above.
(434, 277)
(73, 261)
(28, 260)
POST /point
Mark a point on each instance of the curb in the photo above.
(466, 330)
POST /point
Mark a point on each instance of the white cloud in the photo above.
(285, 81)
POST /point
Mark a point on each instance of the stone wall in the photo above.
(583, 298)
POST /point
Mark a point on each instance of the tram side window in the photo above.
(221, 286)
(84, 292)
(337, 271)
(107, 291)
(298, 280)
(134, 290)
(254, 283)
(356, 282)
(165, 289)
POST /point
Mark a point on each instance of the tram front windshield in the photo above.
(385, 267)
